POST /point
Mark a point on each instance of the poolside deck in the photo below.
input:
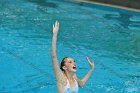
(125, 4)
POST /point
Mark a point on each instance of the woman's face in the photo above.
(70, 64)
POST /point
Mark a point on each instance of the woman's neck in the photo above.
(69, 75)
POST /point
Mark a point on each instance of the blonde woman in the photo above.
(67, 80)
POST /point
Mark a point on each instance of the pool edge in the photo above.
(110, 5)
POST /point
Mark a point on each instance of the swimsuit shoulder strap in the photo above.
(76, 85)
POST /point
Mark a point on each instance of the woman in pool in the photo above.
(67, 80)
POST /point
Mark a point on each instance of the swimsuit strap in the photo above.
(68, 88)
(76, 88)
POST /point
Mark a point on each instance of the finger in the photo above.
(53, 25)
(57, 23)
(88, 59)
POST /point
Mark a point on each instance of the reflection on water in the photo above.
(127, 40)
(43, 4)
(124, 19)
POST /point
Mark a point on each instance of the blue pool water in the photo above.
(108, 35)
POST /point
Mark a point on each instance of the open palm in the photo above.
(90, 63)
(55, 27)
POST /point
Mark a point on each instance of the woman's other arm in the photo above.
(86, 77)
(55, 63)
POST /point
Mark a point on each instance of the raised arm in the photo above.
(84, 80)
(55, 63)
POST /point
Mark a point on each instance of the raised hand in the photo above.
(90, 63)
(55, 27)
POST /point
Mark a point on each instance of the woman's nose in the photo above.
(74, 64)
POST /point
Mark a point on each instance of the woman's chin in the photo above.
(74, 70)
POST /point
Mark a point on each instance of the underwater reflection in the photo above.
(124, 19)
(43, 4)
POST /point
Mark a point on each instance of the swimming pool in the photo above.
(108, 35)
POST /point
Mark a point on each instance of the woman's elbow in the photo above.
(81, 84)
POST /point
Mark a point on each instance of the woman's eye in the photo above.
(70, 62)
